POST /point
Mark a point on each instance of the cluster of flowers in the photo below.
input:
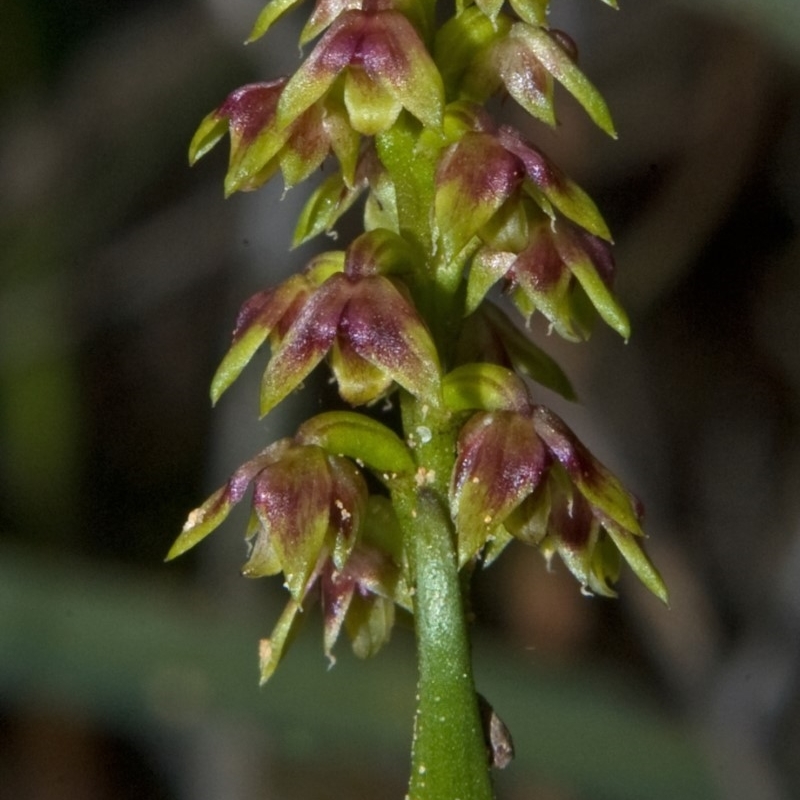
(453, 204)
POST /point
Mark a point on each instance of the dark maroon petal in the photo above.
(483, 168)
(500, 461)
(538, 167)
(602, 489)
(571, 521)
(306, 342)
(474, 178)
(340, 45)
(251, 108)
(292, 500)
(599, 251)
(539, 267)
(272, 306)
(348, 505)
(337, 591)
(565, 42)
(382, 327)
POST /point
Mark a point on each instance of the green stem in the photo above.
(449, 758)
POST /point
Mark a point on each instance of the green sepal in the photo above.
(638, 561)
(307, 149)
(202, 521)
(474, 178)
(369, 623)
(210, 131)
(460, 40)
(331, 199)
(263, 560)
(236, 359)
(271, 12)
(485, 387)
(371, 105)
(487, 267)
(345, 141)
(500, 461)
(601, 297)
(573, 202)
(299, 538)
(359, 437)
(270, 651)
(382, 251)
(605, 493)
(558, 63)
(534, 12)
(252, 166)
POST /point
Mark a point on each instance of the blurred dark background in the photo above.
(120, 274)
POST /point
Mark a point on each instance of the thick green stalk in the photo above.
(449, 758)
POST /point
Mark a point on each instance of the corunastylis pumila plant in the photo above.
(363, 514)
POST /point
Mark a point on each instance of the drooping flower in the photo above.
(502, 195)
(358, 597)
(483, 180)
(385, 68)
(360, 319)
(260, 146)
(527, 475)
(361, 598)
(558, 270)
(487, 51)
(306, 504)
(312, 521)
